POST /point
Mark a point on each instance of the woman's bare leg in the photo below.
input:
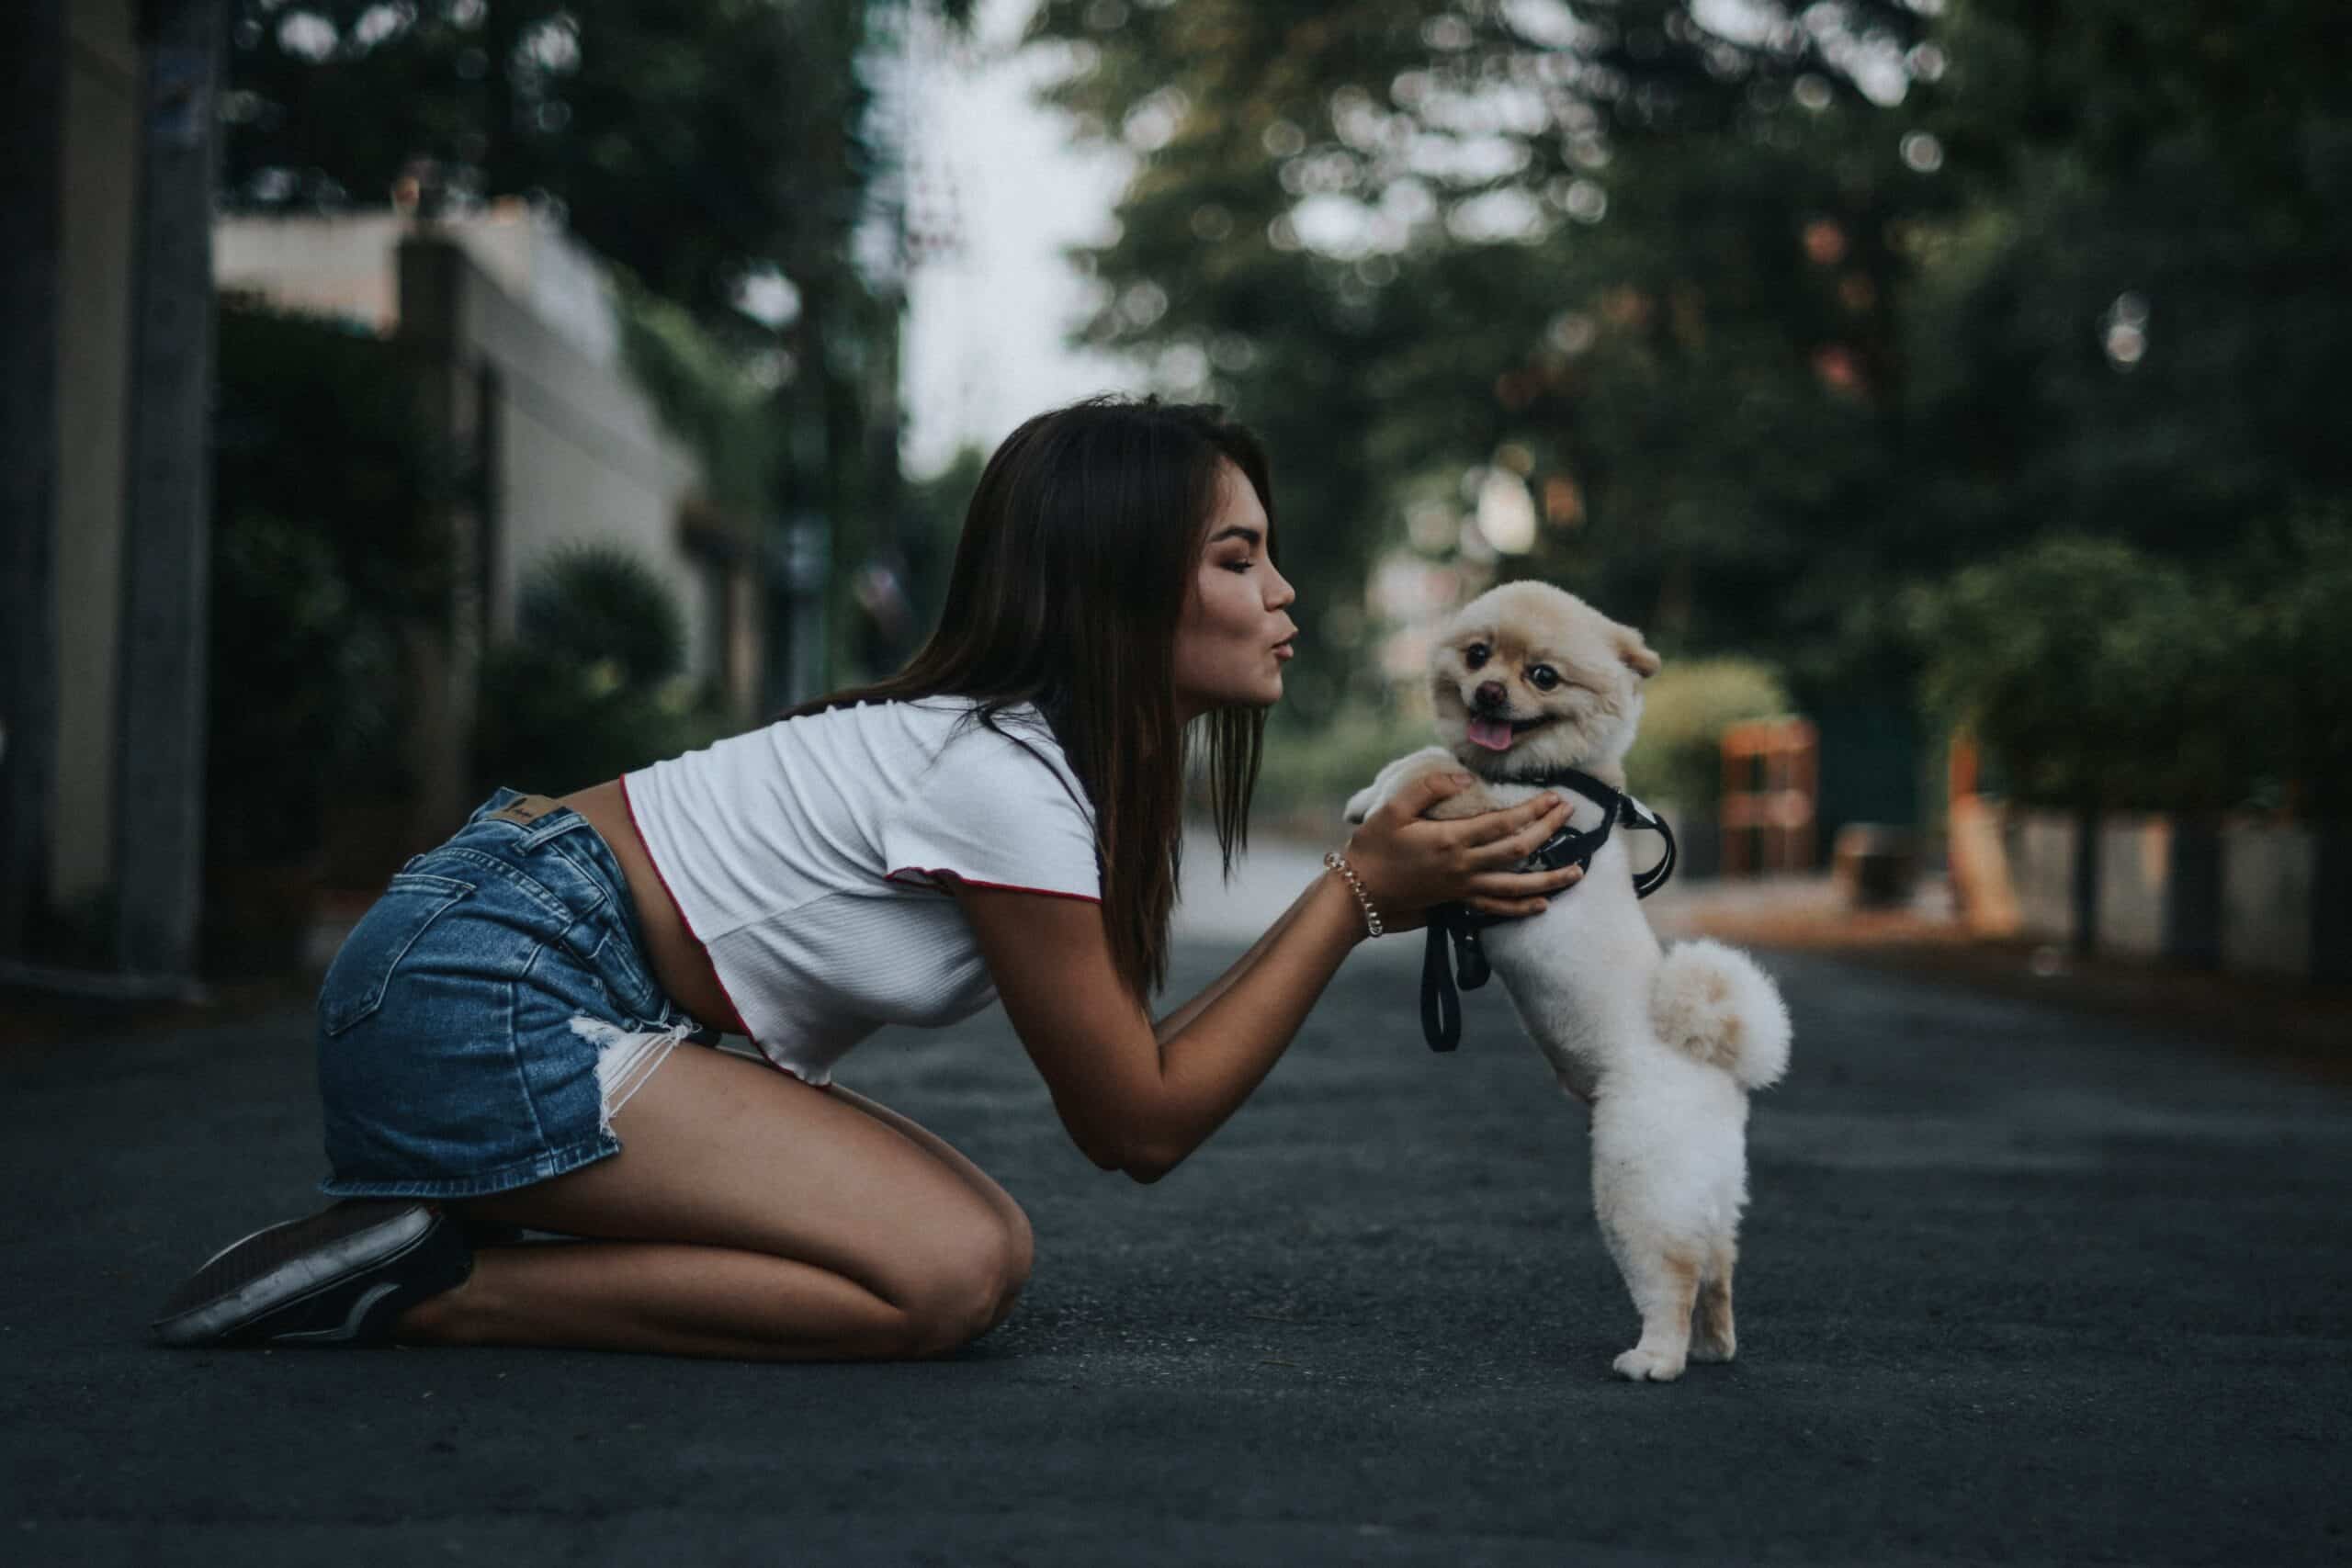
(748, 1215)
(1016, 1222)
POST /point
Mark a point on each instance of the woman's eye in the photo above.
(1239, 565)
(1544, 677)
(1474, 655)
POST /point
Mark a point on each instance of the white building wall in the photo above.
(582, 456)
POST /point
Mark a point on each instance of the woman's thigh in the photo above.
(998, 1199)
(721, 1151)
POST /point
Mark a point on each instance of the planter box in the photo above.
(2042, 846)
(2159, 888)
(2267, 897)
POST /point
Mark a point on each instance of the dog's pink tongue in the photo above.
(1494, 734)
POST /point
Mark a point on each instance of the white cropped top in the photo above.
(808, 859)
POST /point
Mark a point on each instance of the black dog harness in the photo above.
(1441, 1008)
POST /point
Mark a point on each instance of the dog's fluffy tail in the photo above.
(1713, 1002)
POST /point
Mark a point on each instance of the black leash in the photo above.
(1459, 923)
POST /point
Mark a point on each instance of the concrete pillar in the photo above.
(442, 663)
(159, 808)
(2267, 897)
(2042, 855)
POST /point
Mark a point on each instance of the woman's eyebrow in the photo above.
(1236, 532)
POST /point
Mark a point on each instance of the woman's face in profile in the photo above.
(1233, 638)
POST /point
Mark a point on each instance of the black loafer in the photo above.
(340, 1277)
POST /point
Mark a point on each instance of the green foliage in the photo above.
(590, 605)
(1310, 766)
(324, 554)
(1677, 758)
(1809, 320)
(701, 390)
(591, 687)
(694, 141)
(2302, 637)
(2097, 674)
(1662, 357)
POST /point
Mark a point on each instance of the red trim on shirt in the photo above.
(741, 1028)
(997, 886)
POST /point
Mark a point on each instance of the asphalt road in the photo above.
(2018, 1287)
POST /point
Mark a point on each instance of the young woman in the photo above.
(499, 1037)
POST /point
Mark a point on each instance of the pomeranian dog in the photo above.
(1664, 1046)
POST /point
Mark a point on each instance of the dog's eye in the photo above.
(1544, 677)
(1474, 655)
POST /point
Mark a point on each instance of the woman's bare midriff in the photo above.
(679, 965)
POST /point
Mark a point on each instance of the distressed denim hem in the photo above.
(523, 1173)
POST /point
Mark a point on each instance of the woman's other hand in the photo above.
(1408, 862)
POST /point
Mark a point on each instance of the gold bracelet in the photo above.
(1333, 859)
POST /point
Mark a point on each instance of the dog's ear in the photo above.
(1634, 651)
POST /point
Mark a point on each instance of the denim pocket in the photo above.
(355, 982)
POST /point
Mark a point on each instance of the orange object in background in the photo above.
(1771, 790)
(1979, 864)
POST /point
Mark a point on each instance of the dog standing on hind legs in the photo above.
(1529, 681)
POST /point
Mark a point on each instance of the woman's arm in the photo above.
(1139, 1100)
(1168, 1027)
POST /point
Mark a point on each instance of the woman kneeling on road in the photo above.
(499, 1038)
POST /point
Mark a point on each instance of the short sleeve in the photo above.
(992, 812)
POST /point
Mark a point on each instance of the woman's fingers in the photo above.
(1524, 838)
(1512, 908)
(1523, 885)
(1424, 792)
(1492, 826)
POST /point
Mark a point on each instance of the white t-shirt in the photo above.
(808, 859)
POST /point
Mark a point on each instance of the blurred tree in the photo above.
(730, 155)
(2137, 329)
(699, 143)
(1651, 256)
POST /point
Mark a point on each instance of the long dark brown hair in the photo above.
(1078, 548)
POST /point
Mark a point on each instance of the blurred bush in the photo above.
(1676, 760)
(325, 552)
(2097, 674)
(594, 683)
(1310, 767)
(2303, 663)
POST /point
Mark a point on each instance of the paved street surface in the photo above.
(2018, 1287)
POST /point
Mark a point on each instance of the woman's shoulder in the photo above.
(956, 720)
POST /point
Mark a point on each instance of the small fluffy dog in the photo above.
(1665, 1047)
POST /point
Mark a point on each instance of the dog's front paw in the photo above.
(1638, 1365)
(1704, 1349)
(1395, 777)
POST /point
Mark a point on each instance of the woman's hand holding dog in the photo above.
(1408, 862)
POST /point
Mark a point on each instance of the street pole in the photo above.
(32, 127)
(159, 728)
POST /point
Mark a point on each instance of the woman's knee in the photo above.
(968, 1288)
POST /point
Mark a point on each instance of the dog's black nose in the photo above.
(1491, 695)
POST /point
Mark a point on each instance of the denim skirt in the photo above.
(490, 1012)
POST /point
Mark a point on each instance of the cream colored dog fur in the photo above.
(1665, 1047)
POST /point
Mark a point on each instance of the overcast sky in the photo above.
(983, 346)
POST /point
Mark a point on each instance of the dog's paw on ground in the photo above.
(1708, 1350)
(1647, 1366)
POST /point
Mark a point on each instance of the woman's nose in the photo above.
(1282, 592)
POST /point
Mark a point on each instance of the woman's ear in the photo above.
(1636, 652)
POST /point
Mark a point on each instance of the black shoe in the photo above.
(337, 1277)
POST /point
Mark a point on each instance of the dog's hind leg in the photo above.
(1713, 1338)
(1665, 1285)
